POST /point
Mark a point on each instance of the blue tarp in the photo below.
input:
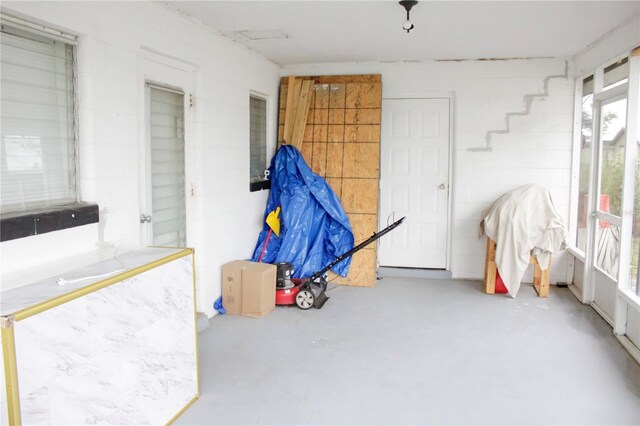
(314, 227)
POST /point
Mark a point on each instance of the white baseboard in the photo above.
(633, 350)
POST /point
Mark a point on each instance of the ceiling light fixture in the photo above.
(408, 4)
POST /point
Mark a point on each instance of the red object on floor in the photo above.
(500, 288)
(288, 296)
(265, 245)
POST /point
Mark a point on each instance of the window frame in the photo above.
(597, 75)
(65, 214)
(625, 298)
(259, 184)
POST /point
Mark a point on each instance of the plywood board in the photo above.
(336, 185)
(319, 162)
(335, 154)
(361, 160)
(337, 96)
(336, 79)
(293, 92)
(307, 152)
(320, 132)
(337, 116)
(322, 96)
(341, 142)
(364, 95)
(302, 110)
(308, 133)
(362, 116)
(335, 133)
(321, 116)
(362, 272)
(363, 226)
(360, 195)
(366, 133)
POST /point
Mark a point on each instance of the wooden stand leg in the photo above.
(541, 278)
(490, 267)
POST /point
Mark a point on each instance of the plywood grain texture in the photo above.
(336, 185)
(363, 225)
(293, 93)
(308, 133)
(335, 133)
(302, 111)
(361, 160)
(362, 272)
(322, 96)
(366, 133)
(335, 155)
(319, 162)
(321, 116)
(320, 132)
(341, 142)
(360, 195)
(337, 79)
(307, 152)
(337, 116)
(337, 96)
(362, 116)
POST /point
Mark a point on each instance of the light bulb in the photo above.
(407, 26)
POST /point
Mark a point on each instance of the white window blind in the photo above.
(38, 165)
(258, 138)
(166, 115)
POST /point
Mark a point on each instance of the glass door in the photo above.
(609, 129)
(167, 171)
(608, 212)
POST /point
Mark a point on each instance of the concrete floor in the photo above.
(418, 351)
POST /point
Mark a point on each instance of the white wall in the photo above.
(537, 149)
(225, 217)
(619, 41)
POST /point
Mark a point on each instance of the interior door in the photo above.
(166, 164)
(414, 182)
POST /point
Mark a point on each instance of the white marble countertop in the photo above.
(17, 299)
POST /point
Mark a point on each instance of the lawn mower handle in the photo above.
(374, 237)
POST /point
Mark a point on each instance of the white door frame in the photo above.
(450, 95)
(173, 74)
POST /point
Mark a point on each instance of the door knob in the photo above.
(145, 218)
(442, 186)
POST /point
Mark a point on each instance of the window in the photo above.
(585, 162)
(634, 271)
(257, 142)
(38, 180)
(608, 189)
(615, 74)
(38, 138)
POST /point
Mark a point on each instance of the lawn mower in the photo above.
(308, 292)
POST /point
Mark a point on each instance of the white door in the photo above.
(414, 182)
(166, 189)
(167, 183)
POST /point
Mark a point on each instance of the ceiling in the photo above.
(354, 31)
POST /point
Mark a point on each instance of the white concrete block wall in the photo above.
(113, 36)
(618, 41)
(537, 149)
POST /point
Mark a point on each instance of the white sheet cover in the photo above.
(522, 222)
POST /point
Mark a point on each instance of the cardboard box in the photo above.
(232, 287)
(248, 288)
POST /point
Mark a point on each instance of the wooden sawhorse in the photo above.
(540, 277)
